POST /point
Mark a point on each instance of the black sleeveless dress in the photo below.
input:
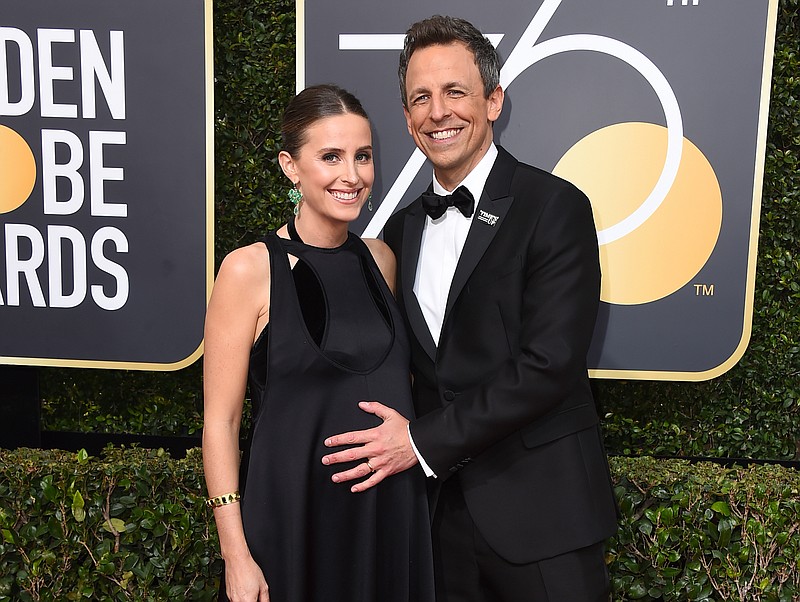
(335, 338)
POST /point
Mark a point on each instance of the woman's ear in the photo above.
(288, 166)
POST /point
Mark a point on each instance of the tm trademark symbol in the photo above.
(704, 290)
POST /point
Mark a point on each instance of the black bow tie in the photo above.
(435, 204)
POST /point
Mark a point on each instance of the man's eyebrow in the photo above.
(418, 90)
(446, 86)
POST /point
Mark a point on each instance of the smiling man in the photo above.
(500, 299)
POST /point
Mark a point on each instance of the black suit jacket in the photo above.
(504, 400)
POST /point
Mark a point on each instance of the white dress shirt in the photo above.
(442, 242)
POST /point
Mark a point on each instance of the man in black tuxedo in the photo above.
(500, 300)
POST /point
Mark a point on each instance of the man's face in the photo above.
(447, 114)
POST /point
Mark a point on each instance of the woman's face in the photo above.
(334, 169)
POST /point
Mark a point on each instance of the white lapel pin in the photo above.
(487, 217)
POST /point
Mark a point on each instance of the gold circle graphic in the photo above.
(17, 170)
(617, 167)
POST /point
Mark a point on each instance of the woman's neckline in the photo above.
(295, 236)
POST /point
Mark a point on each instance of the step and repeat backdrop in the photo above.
(656, 109)
(106, 183)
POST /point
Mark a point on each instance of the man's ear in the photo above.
(408, 119)
(288, 166)
(495, 103)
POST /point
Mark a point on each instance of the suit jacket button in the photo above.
(449, 395)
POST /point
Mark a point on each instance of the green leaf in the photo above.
(78, 507)
(114, 525)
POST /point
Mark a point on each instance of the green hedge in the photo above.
(704, 532)
(132, 525)
(751, 411)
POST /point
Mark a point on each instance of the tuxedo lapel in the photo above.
(486, 223)
(412, 239)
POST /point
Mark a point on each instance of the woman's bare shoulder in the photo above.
(246, 263)
(384, 258)
(379, 249)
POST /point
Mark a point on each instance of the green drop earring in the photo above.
(295, 196)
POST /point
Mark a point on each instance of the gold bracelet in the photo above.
(223, 500)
